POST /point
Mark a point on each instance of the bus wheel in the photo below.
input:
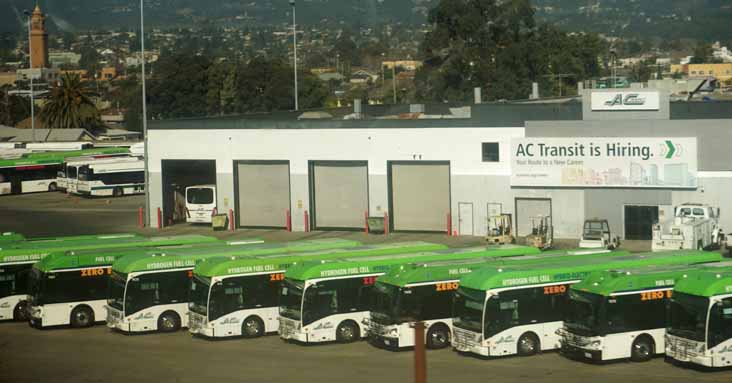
(642, 349)
(20, 313)
(52, 187)
(118, 192)
(82, 316)
(168, 322)
(438, 337)
(347, 332)
(528, 345)
(252, 327)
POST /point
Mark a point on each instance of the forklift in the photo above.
(500, 230)
(542, 232)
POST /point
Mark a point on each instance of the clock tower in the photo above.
(39, 39)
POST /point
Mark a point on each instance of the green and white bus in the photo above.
(150, 292)
(423, 292)
(9, 237)
(700, 318)
(331, 300)
(17, 258)
(70, 287)
(37, 172)
(619, 314)
(239, 296)
(510, 310)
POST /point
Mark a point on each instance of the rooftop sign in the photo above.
(625, 100)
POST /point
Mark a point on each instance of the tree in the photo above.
(703, 53)
(13, 109)
(70, 105)
(497, 46)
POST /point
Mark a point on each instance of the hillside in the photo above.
(702, 19)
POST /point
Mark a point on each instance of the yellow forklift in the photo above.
(542, 232)
(500, 230)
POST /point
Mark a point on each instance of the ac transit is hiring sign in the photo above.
(625, 100)
(635, 162)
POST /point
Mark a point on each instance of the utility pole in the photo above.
(144, 115)
(393, 79)
(294, 49)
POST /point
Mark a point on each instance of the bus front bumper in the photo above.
(687, 351)
(468, 341)
(137, 322)
(199, 325)
(580, 347)
(36, 316)
(290, 329)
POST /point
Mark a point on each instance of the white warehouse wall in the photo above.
(471, 179)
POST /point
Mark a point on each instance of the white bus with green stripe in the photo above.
(112, 177)
(239, 295)
(150, 292)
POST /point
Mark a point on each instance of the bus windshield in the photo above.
(467, 309)
(71, 171)
(386, 307)
(582, 315)
(85, 173)
(13, 279)
(117, 290)
(291, 299)
(35, 286)
(199, 294)
(200, 196)
(688, 316)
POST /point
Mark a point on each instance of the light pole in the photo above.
(294, 49)
(393, 79)
(144, 116)
(30, 73)
(613, 57)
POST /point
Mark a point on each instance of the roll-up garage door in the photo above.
(339, 193)
(263, 193)
(528, 209)
(420, 195)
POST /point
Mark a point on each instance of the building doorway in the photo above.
(639, 220)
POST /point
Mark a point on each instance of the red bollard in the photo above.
(160, 219)
(386, 223)
(231, 219)
(288, 220)
(449, 224)
(140, 219)
(366, 222)
(307, 222)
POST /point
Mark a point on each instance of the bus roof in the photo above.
(9, 236)
(617, 282)
(381, 264)
(187, 258)
(105, 257)
(53, 158)
(494, 277)
(242, 265)
(423, 272)
(37, 251)
(707, 281)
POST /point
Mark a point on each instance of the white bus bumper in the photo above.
(469, 341)
(199, 325)
(689, 351)
(138, 322)
(290, 329)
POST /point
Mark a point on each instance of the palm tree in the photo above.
(70, 105)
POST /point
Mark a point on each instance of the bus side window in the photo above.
(720, 322)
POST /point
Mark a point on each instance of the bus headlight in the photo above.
(595, 345)
(394, 332)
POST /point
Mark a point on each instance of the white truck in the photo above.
(694, 226)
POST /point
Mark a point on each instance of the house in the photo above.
(362, 76)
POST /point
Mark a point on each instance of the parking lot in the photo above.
(99, 355)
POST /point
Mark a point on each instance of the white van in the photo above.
(200, 203)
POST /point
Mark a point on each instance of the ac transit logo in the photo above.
(506, 339)
(629, 99)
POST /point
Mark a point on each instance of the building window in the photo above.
(490, 152)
